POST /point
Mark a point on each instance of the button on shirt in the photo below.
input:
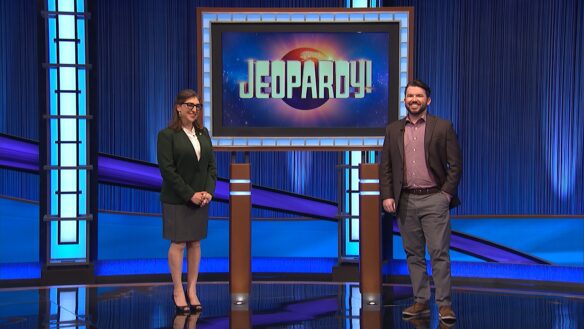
(416, 172)
(194, 140)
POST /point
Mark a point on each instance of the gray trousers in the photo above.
(425, 220)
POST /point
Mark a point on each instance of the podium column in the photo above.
(371, 318)
(369, 236)
(240, 319)
(239, 234)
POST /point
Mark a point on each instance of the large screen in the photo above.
(299, 79)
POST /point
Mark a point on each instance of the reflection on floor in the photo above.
(277, 305)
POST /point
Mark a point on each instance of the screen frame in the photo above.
(207, 15)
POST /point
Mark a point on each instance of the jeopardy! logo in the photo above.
(305, 78)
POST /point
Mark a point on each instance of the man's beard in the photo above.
(421, 109)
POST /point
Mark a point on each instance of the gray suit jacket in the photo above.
(443, 158)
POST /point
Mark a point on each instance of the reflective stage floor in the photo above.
(278, 305)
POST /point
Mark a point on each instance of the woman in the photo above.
(187, 165)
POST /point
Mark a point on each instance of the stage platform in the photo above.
(293, 305)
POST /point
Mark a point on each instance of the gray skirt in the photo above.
(183, 222)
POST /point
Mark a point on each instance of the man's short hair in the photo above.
(418, 83)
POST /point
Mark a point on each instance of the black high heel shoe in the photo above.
(197, 308)
(181, 310)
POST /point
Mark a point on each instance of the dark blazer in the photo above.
(442, 158)
(182, 174)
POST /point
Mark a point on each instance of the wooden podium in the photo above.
(369, 236)
(239, 235)
(240, 319)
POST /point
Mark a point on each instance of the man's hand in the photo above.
(389, 205)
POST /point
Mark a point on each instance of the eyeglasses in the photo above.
(193, 106)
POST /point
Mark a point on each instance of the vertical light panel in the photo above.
(352, 306)
(67, 162)
(67, 307)
(351, 188)
(350, 224)
(68, 302)
(360, 3)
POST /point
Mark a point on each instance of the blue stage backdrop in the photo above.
(145, 52)
(511, 83)
(19, 67)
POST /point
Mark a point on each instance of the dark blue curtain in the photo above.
(510, 75)
(19, 103)
(19, 68)
(144, 53)
(308, 173)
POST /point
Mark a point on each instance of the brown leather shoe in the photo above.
(416, 310)
(446, 314)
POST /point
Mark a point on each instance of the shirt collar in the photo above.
(189, 132)
(420, 120)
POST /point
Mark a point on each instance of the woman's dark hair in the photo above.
(418, 83)
(181, 97)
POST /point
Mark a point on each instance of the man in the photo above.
(420, 169)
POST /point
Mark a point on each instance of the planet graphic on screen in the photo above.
(303, 55)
